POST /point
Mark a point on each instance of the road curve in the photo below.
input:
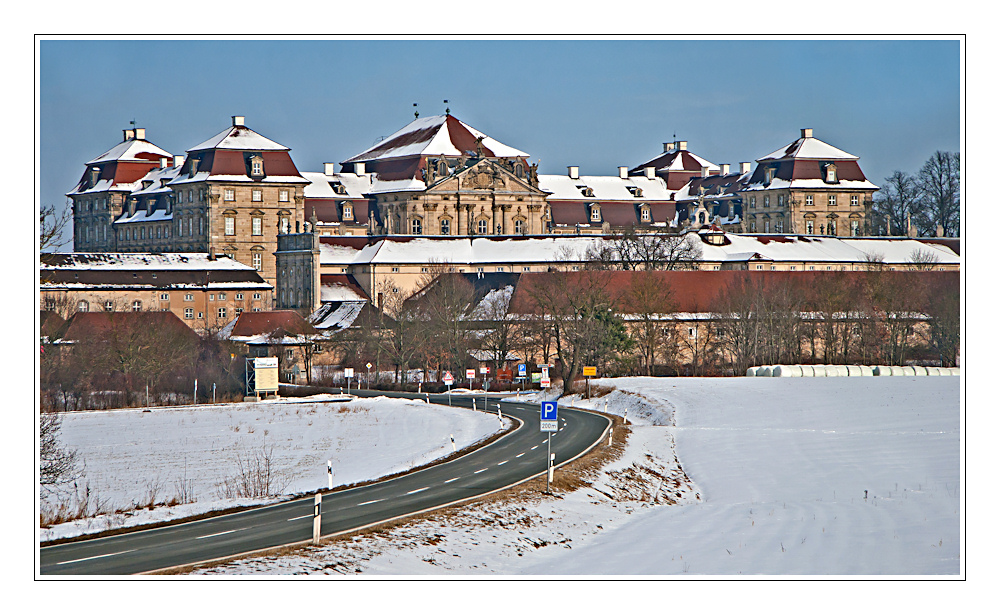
(513, 458)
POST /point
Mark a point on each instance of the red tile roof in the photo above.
(263, 323)
(82, 325)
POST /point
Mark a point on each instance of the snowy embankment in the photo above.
(189, 454)
(720, 477)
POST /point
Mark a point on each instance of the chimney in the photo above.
(704, 171)
(744, 167)
(140, 133)
(129, 134)
(623, 172)
(178, 161)
(807, 133)
(725, 169)
(328, 168)
(574, 172)
(163, 162)
(650, 172)
(682, 145)
(359, 168)
(668, 147)
(239, 120)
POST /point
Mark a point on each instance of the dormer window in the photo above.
(769, 175)
(595, 212)
(644, 214)
(830, 173)
(348, 211)
(194, 166)
(256, 166)
(519, 170)
(442, 167)
(586, 191)
(95, 174)
(340, 188)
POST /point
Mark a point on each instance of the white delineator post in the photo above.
(329, 474)
(552, 467)
(454, 449)
(317, 516)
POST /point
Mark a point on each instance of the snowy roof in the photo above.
(141, 215)
(460, 250)
(439, 135)
(239, 138)
(336, 315)
(809, 147)
(604, 187)
(798, 248)
(131, 150)
(158, 179)
(321, 185)
(138, 260)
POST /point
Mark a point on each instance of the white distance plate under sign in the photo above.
(550, 425)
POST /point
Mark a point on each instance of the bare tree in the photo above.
(945, 322)
(57, 464)
(922, 258)
(649, 300)
(51, 224)
(499, 337)
(632, 251)
(898, 198)
(939, 181)
(441, 308)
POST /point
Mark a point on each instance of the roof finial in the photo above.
(447, 111)
(416, 114)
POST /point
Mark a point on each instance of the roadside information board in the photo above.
(348, 372)
(590, 371)
(550, 416)
(266, 374)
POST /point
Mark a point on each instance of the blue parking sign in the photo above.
(522, 370)
(549, 411)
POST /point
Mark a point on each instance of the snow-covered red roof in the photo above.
(604, 188)
(140, 260)
(239, 138)
(439, 135)
(133, 150)
(321, 185)
(808, 146)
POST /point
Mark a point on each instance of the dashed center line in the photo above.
(370, 502)
(417, 490)
(521, 455)
(222, 533)
(297, 518)
(534, 447)
(478, 471)
(94, 557)
(452, 479)
(503, 462)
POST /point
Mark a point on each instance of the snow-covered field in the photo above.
(132, 457)
(733, 476)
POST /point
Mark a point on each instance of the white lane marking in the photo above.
(417, 490)
(93, 557)
(478, 471)
(521, 455)
(503, 462)
(370, 502)
(534, 447)
(221, 533)
(302, 517)
(452, 479)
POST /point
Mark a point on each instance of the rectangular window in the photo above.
(810, 227)
(257, 263)
(188, 312)
(137, 306)
(189, 297)
(229, 194)
(855, 228)
(238, 311)
(525, 268)
(222, 312)
(164, 297)
(595, 214)
(256, 295)
(767, 201)
(809, 199)
(767, 226)
(239, 296)
(832, 200)
(854, 200)
(395, 269)
(257, 166)
(230, 225)
(108, 306)
(348, 212)
(753, 202)
(256, 196)
(500, 269)
(446, 227)
(645, 215)
(283, 196)
(257, 224)
(222, 296)
(211, 297)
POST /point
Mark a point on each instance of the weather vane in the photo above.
(416, 114)
(447, 111)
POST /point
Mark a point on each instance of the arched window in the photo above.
(445, 226)
(82, 306)
(519, 226)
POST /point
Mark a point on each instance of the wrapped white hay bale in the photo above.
(955, 371)
(933, 371)
(785, 371)
(841, 370)
(764, 371)
(853, 370)
(909, 371)
(831, 371)
(751, 372)
(896, 370)
(867, 370)
(920, 370)
(881, 370)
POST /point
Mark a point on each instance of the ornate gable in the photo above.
(487, 175)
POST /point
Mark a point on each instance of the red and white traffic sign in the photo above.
(470, 374)
(448, 380)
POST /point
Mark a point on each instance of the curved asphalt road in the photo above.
(513, 458)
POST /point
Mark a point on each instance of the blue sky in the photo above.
(594, 104)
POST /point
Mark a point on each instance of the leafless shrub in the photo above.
(256, 475)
